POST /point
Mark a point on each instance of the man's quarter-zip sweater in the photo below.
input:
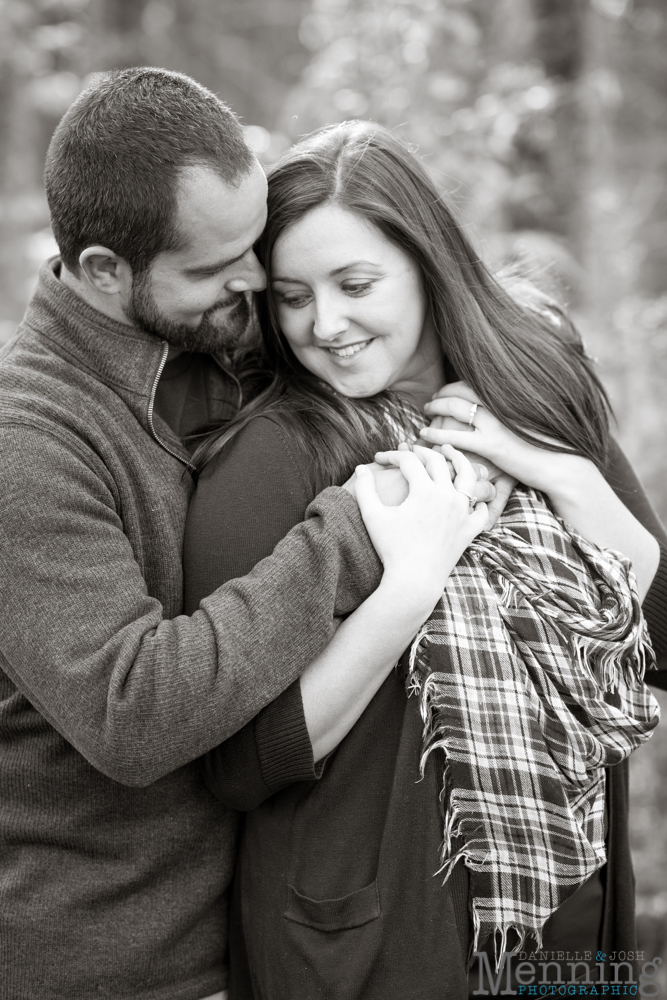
(114, 859)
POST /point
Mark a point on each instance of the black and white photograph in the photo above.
(333, 492)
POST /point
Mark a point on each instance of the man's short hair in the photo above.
(114, 161)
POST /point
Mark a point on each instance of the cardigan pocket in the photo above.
(354, 910)
(331, 945)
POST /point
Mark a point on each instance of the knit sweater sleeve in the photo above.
(137, 694)
(246, 500)
(626, 485)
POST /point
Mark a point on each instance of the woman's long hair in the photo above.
(518, 352)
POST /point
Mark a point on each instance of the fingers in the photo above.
(459, 407)
(490, 468)
(449, 423)
(504, 486)
(457, 389)
(422, 464)
(366, 493)
(465, 475)
(391, 485)
(389, 458)
(470, 486)
(484, 491)
(473, 478)
(480, 519)
(435, 463)
(461, 440)
(465, 480)
(392, 458)
(411, 463)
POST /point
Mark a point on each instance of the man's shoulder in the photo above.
(27, 353)
(51, 410)
(28, 366)
(35, 374)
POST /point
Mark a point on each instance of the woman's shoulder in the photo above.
(247, 499)
(264, 448)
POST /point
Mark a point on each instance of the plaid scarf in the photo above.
(530, 677)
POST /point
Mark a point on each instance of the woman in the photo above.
(374, 298)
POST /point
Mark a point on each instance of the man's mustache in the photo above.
(235, 300)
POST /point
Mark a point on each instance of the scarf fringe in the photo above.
(609, 645)
(605, 649)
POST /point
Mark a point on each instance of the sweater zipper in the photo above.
(151, 406)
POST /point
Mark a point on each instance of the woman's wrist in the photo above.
(586, 501)
(408, 599)
(570, 479)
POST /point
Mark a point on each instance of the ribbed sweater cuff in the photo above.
(283, 743)
(655, 607)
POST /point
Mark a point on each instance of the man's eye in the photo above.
(203, 275)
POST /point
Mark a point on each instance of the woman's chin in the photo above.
(360, 388)
(355, 384)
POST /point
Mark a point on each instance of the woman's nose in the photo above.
(330, 322)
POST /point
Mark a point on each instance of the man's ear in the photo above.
(105, 270)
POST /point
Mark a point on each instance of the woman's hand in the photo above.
(460, 419)
(421, 540)
(575, 486)
(493, 486)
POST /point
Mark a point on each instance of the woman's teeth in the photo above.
(346, 352)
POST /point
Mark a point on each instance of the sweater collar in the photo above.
(125, 358)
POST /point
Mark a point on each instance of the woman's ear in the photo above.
(105, 270)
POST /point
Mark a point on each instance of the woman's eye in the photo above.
(295, 301)
(357, 289)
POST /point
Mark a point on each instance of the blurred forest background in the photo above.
(545, 120)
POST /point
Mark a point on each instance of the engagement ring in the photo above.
(471, 500)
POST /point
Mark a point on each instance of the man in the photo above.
(115, 858)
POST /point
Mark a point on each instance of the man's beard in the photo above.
(210, 337)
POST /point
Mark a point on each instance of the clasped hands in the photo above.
(449, 411)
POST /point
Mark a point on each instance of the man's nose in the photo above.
(250, 277)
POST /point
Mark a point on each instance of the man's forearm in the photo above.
(136, 694)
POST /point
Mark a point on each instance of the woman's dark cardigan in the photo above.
(336, 895)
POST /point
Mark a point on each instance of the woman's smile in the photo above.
(349, 350)
(351, 303)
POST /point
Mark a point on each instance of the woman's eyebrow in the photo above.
(354, 263)
(336, 270)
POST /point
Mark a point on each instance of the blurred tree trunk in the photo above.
(602, 219)
(559, 44)
(247, 51)
(124, 15)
